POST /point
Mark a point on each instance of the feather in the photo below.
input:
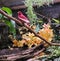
(23, 18)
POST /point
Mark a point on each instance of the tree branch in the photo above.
(26, 54)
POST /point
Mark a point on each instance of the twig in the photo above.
(28, 51)
(55, 44)
(20, 55)
(42, 15)
(27, 56)
(48, 19)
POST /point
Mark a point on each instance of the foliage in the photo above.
(30, 10)
(32, 17)
(56, 21)
(30, 39)
(55, 51)
(56, 28)
(7, 10)
(7, 21)
(46, 32)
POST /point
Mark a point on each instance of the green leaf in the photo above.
(57, 21)
(12, 29)
(7, 10)
(40, 20)
(9, 23)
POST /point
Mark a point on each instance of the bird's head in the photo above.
(19, 12)
(23, 18)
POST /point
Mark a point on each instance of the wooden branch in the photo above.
(55, 44)
(28, 27)
(48, 19)
(19, 56)
(30, 50)
(42, 16)
(26, 54)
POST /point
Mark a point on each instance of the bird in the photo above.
(23, 18)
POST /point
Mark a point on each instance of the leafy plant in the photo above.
(7, 10)
(55, 51)
(30, 10)
(11, 23)
(56, 28)
(30, 39)
(57, 21)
